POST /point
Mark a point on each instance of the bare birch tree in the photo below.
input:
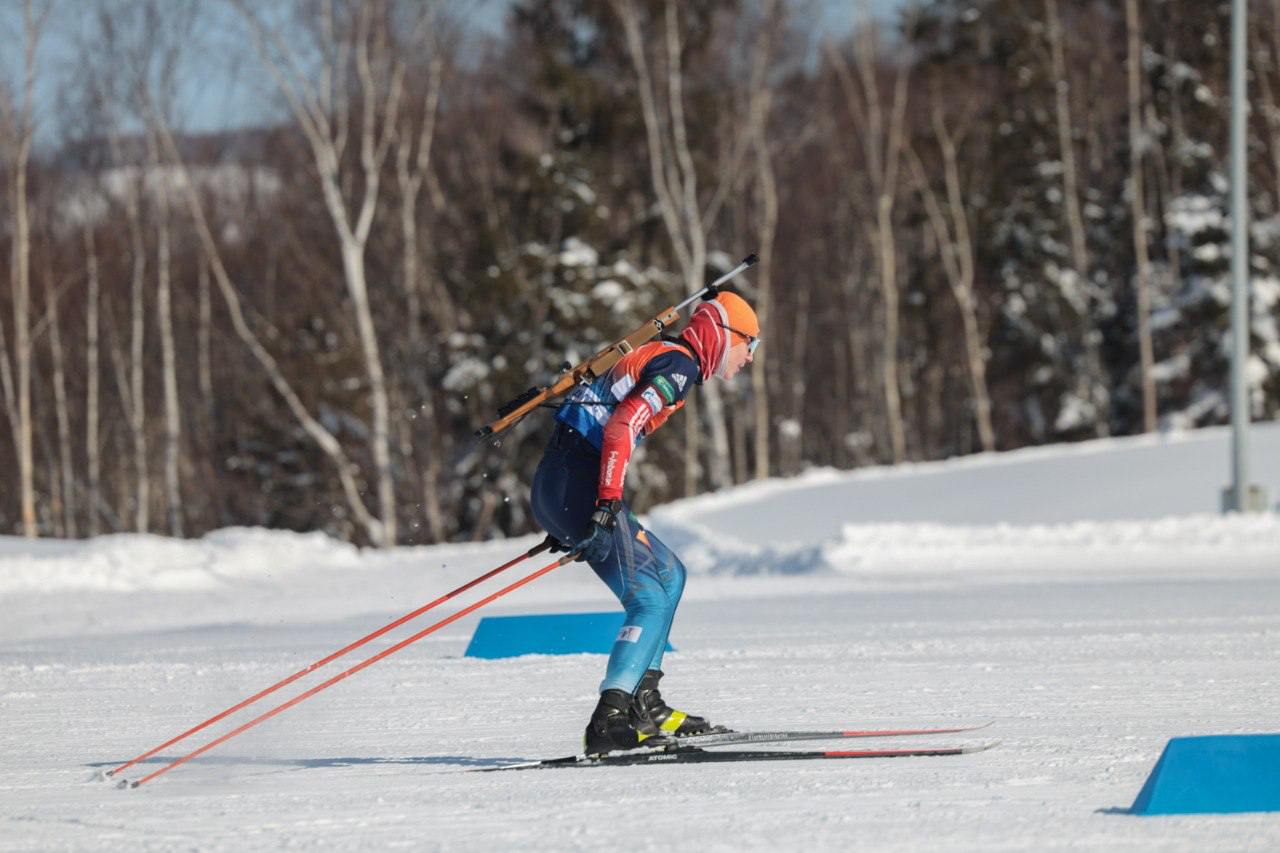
(1066, 148)
(107, 92)
(956, 249)
(675, 184)
(61, 409)
(882, 140)
(92, 378)
(324, 439)
(1267, 74)
(767, 183)
(21, 121)
(321, 112)
(1177, 141)
(168, 359)
(166, 27)
(413, 164)
(133, 394)
(204, 339)
(1137, 202)
(136, 399)
(1093, 374)
(7, 383)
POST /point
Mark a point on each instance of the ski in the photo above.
(696, 755)
(732, 738)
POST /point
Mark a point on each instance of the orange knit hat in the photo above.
(739, 315)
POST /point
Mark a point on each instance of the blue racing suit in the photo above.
(641, 390)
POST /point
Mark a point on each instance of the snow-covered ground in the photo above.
(1088, 599)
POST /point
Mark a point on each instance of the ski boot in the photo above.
(667, 719)
(620, 723)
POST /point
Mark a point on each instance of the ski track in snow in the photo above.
(1089, 640)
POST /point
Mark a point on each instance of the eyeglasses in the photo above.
(752, 341)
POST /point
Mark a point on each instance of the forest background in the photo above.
(982, 224)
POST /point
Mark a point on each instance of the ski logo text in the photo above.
(609, 466)
(629, 634)
(668, 393)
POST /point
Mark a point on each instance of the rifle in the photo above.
(510, 413)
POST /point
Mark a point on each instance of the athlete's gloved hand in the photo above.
(554, 545)
(598, 542)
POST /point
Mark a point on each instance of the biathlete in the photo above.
(577, 497)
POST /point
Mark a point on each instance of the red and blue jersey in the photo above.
(628, 402)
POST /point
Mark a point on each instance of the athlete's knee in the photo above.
(648, 603)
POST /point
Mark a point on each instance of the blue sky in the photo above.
(227, 87)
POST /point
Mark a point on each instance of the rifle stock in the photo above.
(585, 371)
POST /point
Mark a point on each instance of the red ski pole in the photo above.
(567, 558)
(532, 552)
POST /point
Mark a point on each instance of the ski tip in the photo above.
(965, 727)
(938, 730)
(980, 747)
(529, 765)
(976, 727)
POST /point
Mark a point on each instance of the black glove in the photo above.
(598, 542)
(554, 545)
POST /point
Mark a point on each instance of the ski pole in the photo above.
(532, 552)
(567, 558)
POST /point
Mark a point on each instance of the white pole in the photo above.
(1239, 263)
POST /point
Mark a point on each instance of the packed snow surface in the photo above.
(1089, 600)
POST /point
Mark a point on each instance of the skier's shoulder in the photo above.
(672, 369)
(672, 357)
